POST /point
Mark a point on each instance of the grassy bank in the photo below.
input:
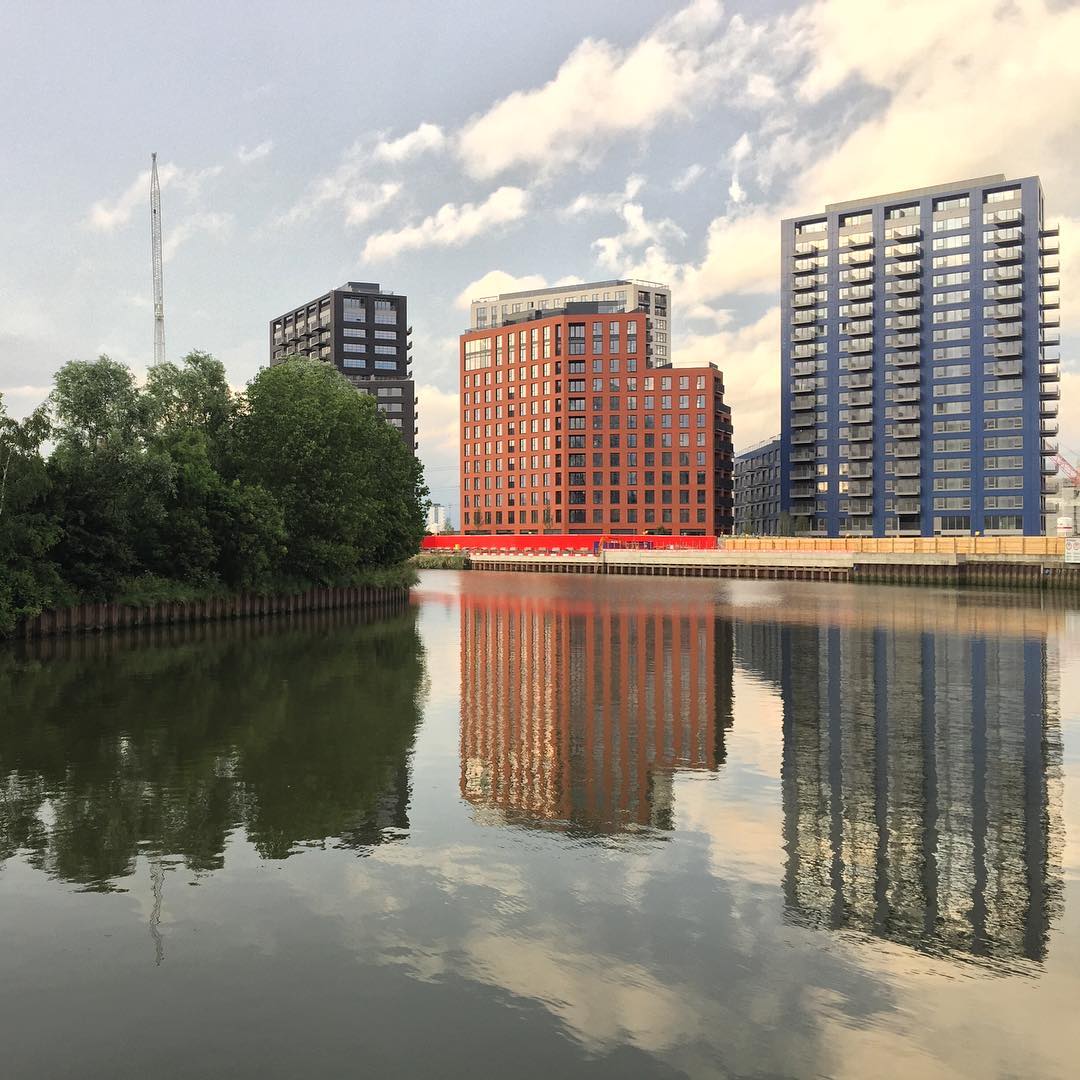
(439, 561)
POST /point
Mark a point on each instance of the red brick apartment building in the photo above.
(566, 427)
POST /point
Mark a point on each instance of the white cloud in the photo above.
(495, 282)
(214, 224)
(612, 201)
(599, 93)
(440, 422)
(612, 251)
(688, 177)
(424, 139)
(365, 202)
(107, 215)
(749, 358)
(451, 225)
(347, 188)
(255, 153)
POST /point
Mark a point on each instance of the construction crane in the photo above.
(155, 258)
(1070, 471)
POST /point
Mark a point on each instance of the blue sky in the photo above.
(450, 149)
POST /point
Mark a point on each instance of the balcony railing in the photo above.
(861, 433)
(1005, 330)
(902, 285)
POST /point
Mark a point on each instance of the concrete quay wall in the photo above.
(905, 569)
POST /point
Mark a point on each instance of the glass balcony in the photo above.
(1003, 292)
(857, 345)
(906, 412)
(802, 402)
(802, 455)
(902, 286)
(908, 487)
(1003, 273)
(861, 508)
(861, 470)
(904, 322)
(857, 488)
(803, 367)
(908, 376)
(801, 318)
(803, 491)
(904, 304)
(1049, 246)
(902, 359)
(857, 258)
(1048, 446)
(906, 431)
(811, 247)
(1006, 348)
(804, 472)
(1011, 216)
(809, 281)
(1008, 367)
(862, 416)
(1005, 311)
(1050, 370)
(1004, 330)
(1049, 408)
(903, 269)
(808, 333)
(903, 232)
(1013, 253)
(908, 506)
(857, 239)
(1048, 427)
(860, 292)
(804, 299)
(857, 327)
(1050, 389)
(860, 453)
(903, 251)
(1050, 487)
(908, 450)
(801, 438)
(861, 397)
(1007, 235)
(1049, 264)
(1049, 318)
(859, 382)
(801, 351)
(903, 341)
(865, 273)
(861, 432)
(1049, 467)
(860, 362)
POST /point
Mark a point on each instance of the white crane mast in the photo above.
(155, 255)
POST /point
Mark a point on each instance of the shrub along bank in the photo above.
(181, 489)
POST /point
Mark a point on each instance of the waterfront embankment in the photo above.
(98, 616)
(1023, 571)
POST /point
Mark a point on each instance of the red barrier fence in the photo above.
(565, 544)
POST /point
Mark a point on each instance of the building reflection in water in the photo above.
(575, 714)
(921, 784)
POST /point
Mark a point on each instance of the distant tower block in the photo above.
(155, 249)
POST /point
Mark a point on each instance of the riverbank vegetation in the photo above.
(180, 489)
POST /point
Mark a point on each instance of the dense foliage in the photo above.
(112, 488)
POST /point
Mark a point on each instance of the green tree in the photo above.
(29, 580)
(350, 491)
(108, 493)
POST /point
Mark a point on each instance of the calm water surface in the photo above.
(551, 826)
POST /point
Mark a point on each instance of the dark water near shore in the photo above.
(544, 825)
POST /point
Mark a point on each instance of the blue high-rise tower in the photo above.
(920, 369)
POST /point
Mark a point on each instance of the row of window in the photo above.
(578, 517)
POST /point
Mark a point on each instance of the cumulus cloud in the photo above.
(611, 201)
(347, 188)
(247, 155)
(424, 139)
(451, 225)
(107, 215)
(688, 177)
(640, 232)
(749, 359)
(213, 224)
(599, 93)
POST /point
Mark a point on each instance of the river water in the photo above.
(546, 825)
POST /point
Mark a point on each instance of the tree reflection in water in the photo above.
(162, 742)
